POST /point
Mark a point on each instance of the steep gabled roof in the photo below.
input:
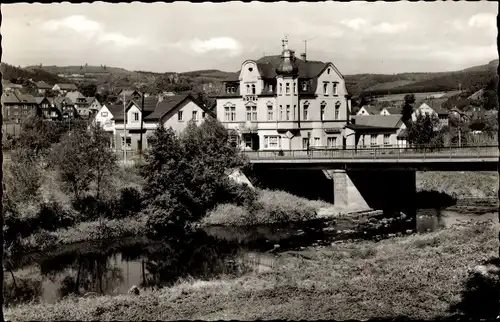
(168, 104)
(378, 121)
(43, 85)
(67, 86)
(393, 110)
(372, 110)
(116, 111)
(74, 96)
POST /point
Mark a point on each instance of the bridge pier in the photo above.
(391, 190)
(346, 196)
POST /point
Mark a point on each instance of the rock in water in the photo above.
(134, 290)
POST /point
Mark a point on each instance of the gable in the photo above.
(249, 71)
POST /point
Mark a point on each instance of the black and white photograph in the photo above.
(249, 161)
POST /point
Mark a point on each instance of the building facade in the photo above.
(18, 107)
(172, 111)
(285, 103)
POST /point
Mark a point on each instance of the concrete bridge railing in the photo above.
(382, 153)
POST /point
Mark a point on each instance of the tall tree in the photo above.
(407, 108)
(425, 131)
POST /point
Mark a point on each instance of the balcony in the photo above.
(248, 127)
(287, 126)
(250, 98)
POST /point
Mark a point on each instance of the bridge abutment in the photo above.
(346, 196)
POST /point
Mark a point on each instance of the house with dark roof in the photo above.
(63, 88)
(172, 111)
(42, 87)
(377, 131)
(93, 105)
(66, 107)
(47, 109)
(369, 110)
(80, 103)
(391, 110)
(283, 102)
(16, 107)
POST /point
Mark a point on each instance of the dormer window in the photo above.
(325, 88)
(328, 71)
(250, 69)
(248, 88)
(287, 88)
(253, 89)
(281, 88)
(270, 87)
(304, 86)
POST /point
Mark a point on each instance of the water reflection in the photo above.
(112, 267)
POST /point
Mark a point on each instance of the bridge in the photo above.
(452, 158)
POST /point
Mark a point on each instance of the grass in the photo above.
(86, 231)
(272, 207)
(460, 185)
(419, 276)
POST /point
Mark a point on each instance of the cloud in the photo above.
(483, 20)
(390, 28)
(355, 24)
(89, 29)
(358, 24)
(227, 45)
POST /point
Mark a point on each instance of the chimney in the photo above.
(303, 56)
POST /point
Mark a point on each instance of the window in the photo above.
(281, 88)
(335, 89)
(317, 141)
(331, 142)
(203, 115)
(233, 113)
(325, 88)
(136, 117)
(250, 69)
(387, 139)
(373, 139)
(270, 113)
(304, 86)
(248, 141)
(129, 142)
(281, 112)
(328, 71)
(270, 87)
(305, 143)
(251, 113)
(272, 142)
(337, 110)
(179, 116)
(294, 112)
(288, 113)
(253, 89)
(293, 85)
(287, 88)
(248, 88)
(305, 112)
(323, 108)
(195, 116)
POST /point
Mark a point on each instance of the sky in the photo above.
(358, 37)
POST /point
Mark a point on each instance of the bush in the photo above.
(270, 207)
(128, 204)
(52, 216)
(481, 294)
(22, 290)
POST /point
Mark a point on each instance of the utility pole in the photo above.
(142, 115)
(124, 132)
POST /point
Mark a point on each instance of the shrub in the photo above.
(22, 290)
(52, 216)
(481, 294)
(128, 204)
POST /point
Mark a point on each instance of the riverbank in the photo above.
(420, 276)
(460, 185)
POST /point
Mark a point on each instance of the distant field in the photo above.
(418, 96)
(389, 85)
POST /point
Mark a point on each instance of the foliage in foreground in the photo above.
(417, 276)
(271, 207)
(460, 184)
(186, 175)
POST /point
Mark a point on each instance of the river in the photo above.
(113, 267)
